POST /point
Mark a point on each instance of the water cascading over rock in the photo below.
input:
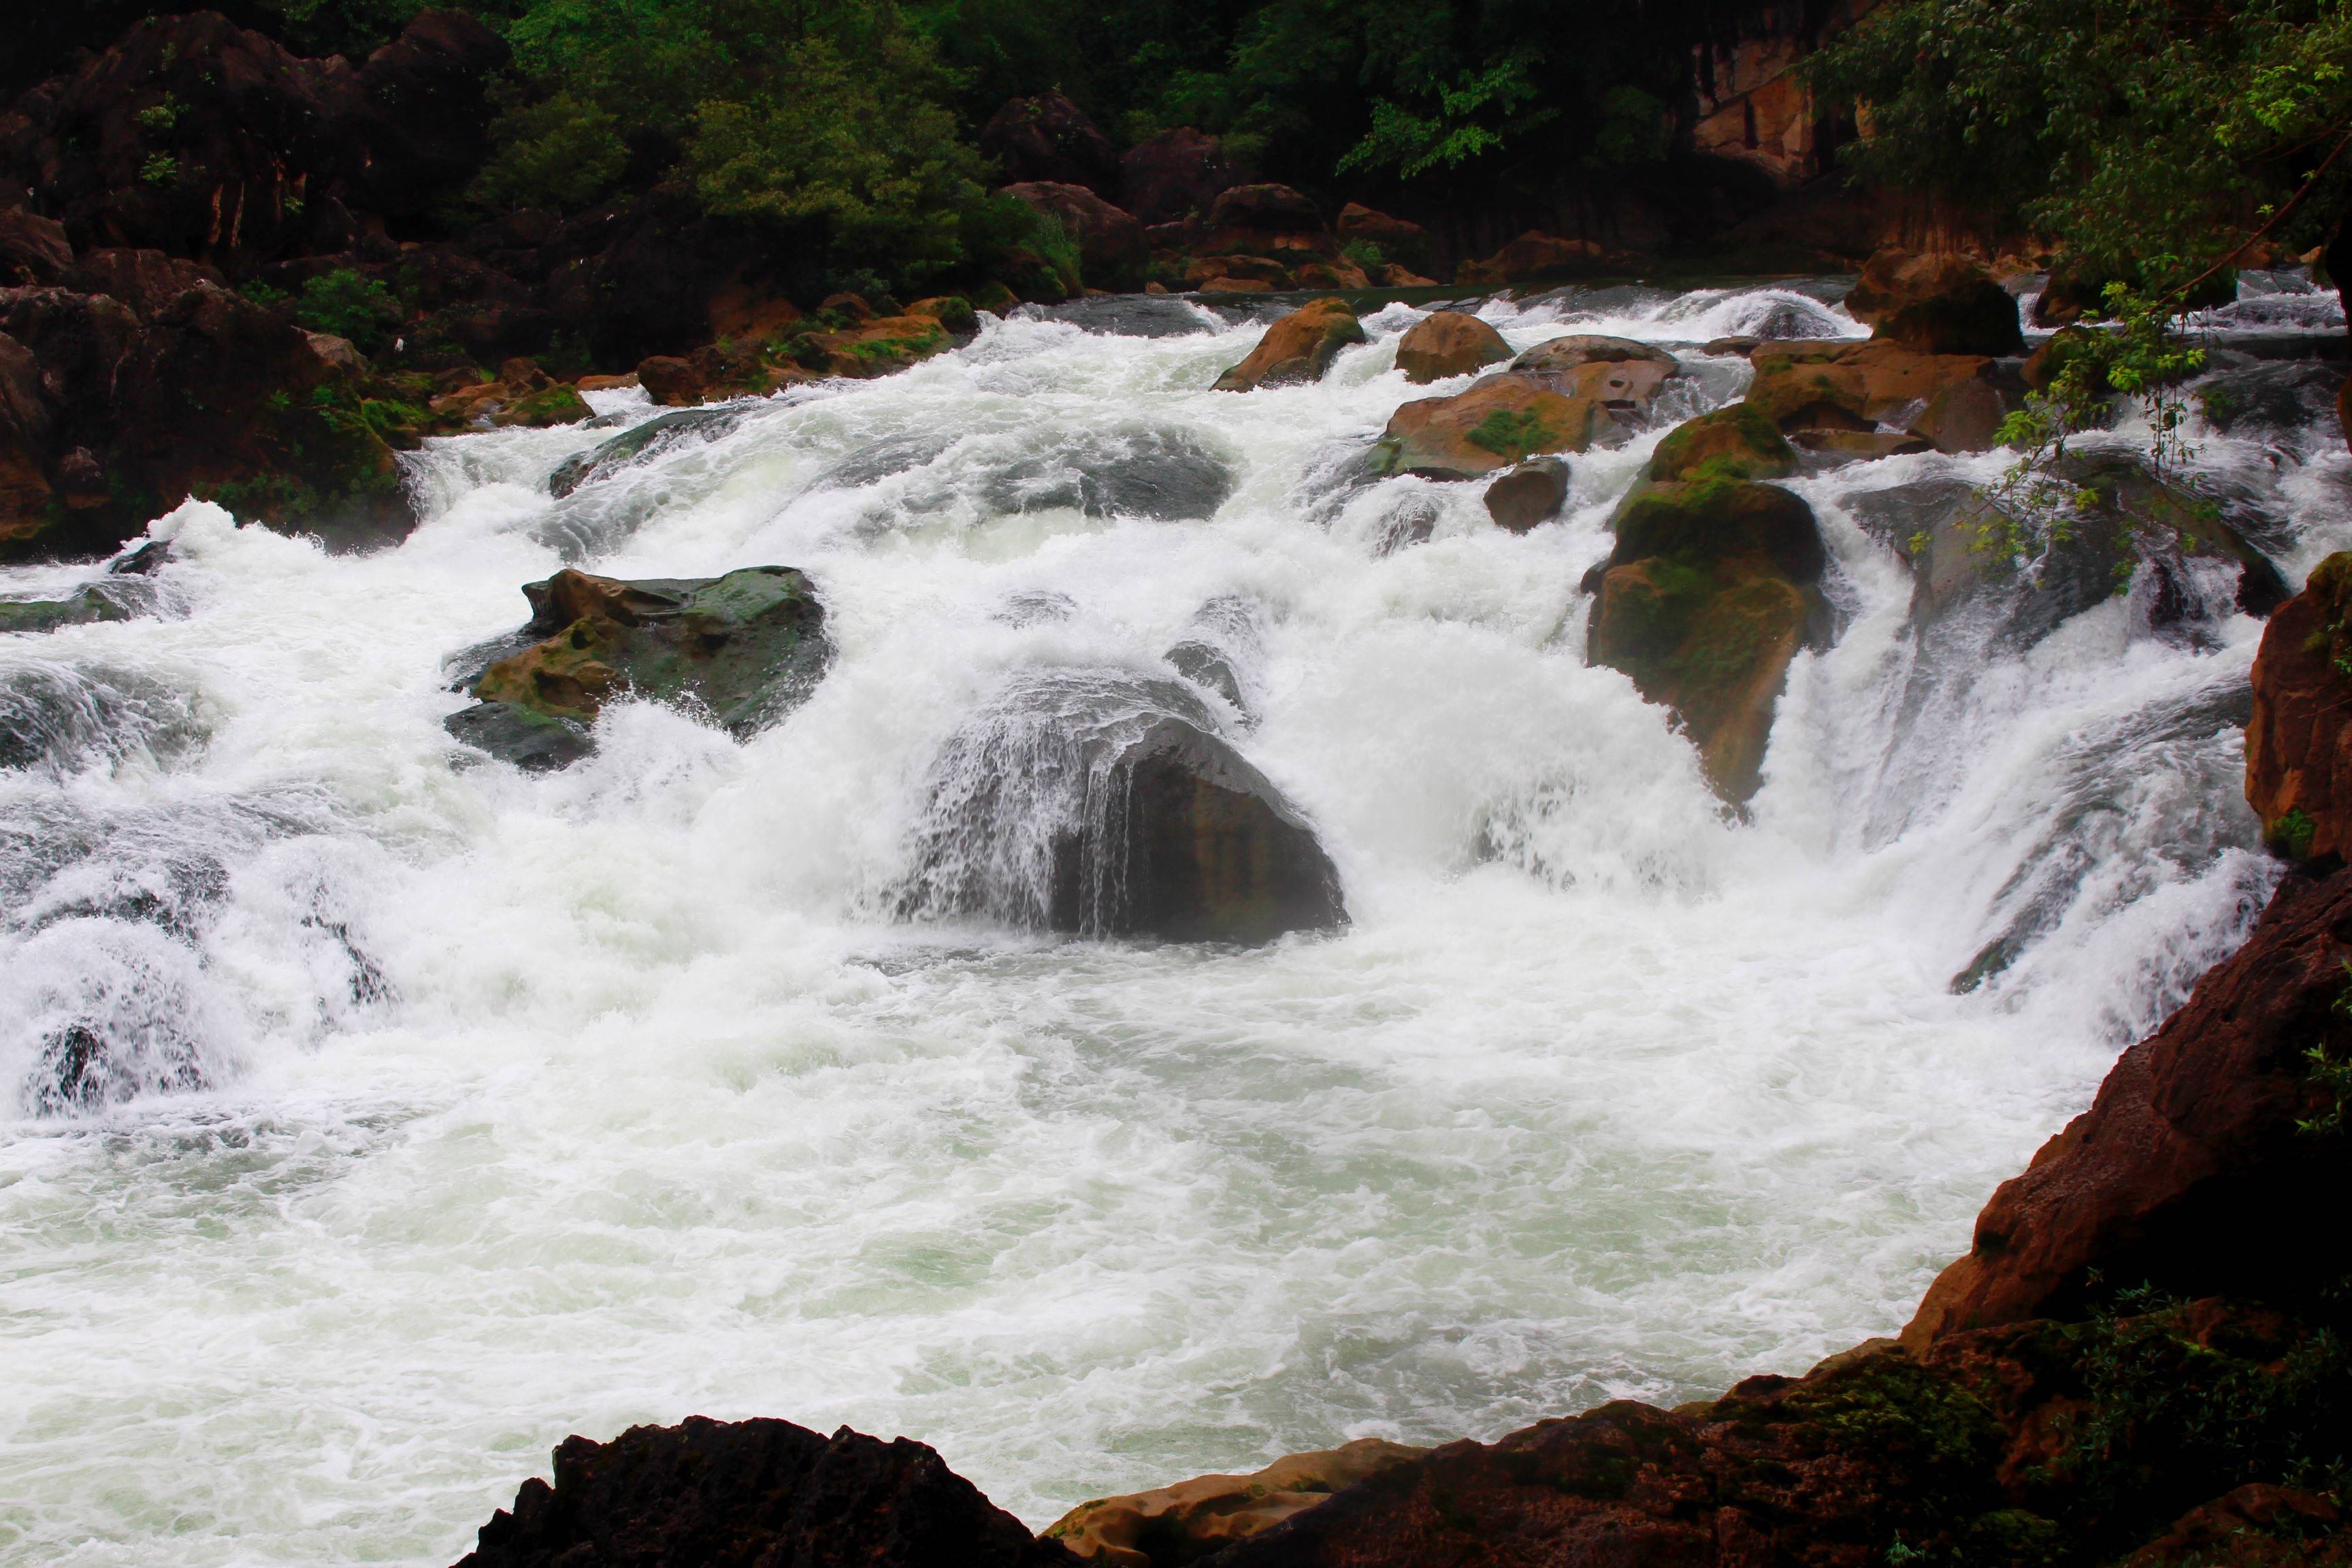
(1104, 804)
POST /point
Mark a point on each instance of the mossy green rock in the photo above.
(555, 404)
(94, 603)
(1705, 600)
(1734, 442)
(746, 648)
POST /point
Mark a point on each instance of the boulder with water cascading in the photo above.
(1448, 343)
(746, 648)
(1617, 372)
(760, 1493)
(1941, 302)
(1711, 592)
(1736, 441)
(1531, 493)
(1503, 420)
(641, 443)
(1863, 397)
(1297, 348)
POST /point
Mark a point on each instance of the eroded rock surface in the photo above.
(1170, 1527)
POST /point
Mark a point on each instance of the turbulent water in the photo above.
(374, 1120)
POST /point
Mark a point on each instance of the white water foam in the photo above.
(540, 1105)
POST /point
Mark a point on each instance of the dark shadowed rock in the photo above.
(34, 250)
(746, 647)
(754, 1494)
(1187, 1521)
(1299, 347)
(1266, 220)
(2299, 741)
(1939, 303)
(1049, 138)
(1173, 176)
(1448, 343)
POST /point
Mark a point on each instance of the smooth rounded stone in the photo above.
(1734, 441)
(1941, 302)
(1205, 666)
(1720, 518)
(641, 444)
(1448, 343)
(1955, 401)
(1503, 420)
(1619, 371)
(1168, 476)
(1297, 348)
(1190, 1520)
(746, 647)
(1530, 494)
(754, 1492)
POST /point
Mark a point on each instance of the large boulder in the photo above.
(1535, 257)
(1049, 138)
(1168, 177)
(746, 648)
(1266, 220)
(1818, 391)
(1939, 303)
(1180, 1524)
(34, 250)
(1735, 441)
(1447, 343)
(1397, 239)
(1297, 348)
(2299, 741)
(2195, 1170)
(1502, 420)
(1710, 593)
(146, 280)
(1617, 372)
(754, 1493)
(1111, 248)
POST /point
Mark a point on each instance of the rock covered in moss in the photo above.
(1297, 348)
(1736, 441)
(1706, 599)
(1447, 343)
(1501, 421)
(754, 1493)
(746, 648)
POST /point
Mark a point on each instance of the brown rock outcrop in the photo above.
(2299, 740)
(1173, 1526)
(1266, 220)
(1617, 371)
(1950, 400)
(1448, 343)
(1502, 420)
(1049, 138)
(754, 1492)
(1175, 174)
(1299, 347)
(1735, 441)
(2190, 1170)
(1939, 303)
(1535, 256)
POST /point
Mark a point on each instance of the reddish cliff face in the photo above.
(2299, 741)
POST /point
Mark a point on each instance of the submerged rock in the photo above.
(1297, 348)
(1503, 420)
(746, 647)
(1705, 600)
(641, 444)
(755, 1493)
(1448, 343)
(1188, 1522)
(1168, 476)
(1103, 804)
(93, 602)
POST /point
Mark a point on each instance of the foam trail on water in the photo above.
(424, 1114)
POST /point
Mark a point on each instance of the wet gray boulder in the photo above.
(1104, 804)
(746, 648)
(1168, 476)
(641, 443)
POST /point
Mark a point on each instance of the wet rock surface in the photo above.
(754, 1493)
(2299, 740)
(1953, 402)
(1941, 302)
(1297, 348)
(746, 648)
(1447, 343)
(1501, 421)
(1173, 1526)
(1614, 372)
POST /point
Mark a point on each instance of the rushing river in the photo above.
(457, 1110)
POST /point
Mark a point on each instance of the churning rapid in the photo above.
(377, 1114)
